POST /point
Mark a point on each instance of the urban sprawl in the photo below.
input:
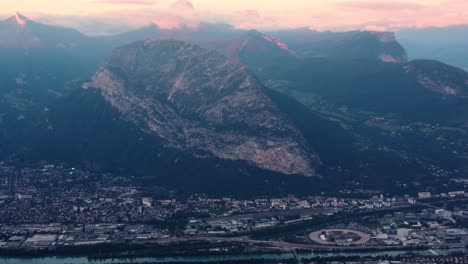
(51, 206)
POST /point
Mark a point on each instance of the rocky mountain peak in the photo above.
(21, 20)
(18, 19)
(19, 32)
(199, 101)
(391, 50)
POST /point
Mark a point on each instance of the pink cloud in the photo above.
(167, 23)
(381, 5)
(250, 13)
(127, 2)
(174, 22)
(186, 4)
(376, 15)
(394, 15)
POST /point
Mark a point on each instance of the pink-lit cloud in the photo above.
(167, 23)
(182, 4)
(126, 2)
(110, 16)
(381, 5)
(394, 15)
(249, 13)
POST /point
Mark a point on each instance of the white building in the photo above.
(424, 195)
(147, 201)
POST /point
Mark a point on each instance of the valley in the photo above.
(228, 145)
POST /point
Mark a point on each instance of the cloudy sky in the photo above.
(108, 16)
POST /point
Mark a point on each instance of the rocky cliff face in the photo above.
(439, 77)
(254, 43)
(391, 50)
(198, 101)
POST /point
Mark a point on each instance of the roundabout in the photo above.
(339, 237)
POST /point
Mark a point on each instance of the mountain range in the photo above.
(228, 110)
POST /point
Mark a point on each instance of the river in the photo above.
(213, 259)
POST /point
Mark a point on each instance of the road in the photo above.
(286, 246)
(302, 212)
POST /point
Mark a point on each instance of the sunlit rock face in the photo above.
(197, 100)
(439, 77)
(254, 43)
(392, 51)
(20, 19)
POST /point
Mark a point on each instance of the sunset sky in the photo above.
(106, 16)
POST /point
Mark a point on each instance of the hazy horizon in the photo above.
(103, 17)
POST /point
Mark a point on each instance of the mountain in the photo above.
(20, 32)
(242, 110)
(174, 113)
(198, 101)
(188, 117)
(255, 43)
(255, 49)
(419, 90)
(205, 35)
(98, 137)
(39, 64)
(445, 44)
(300, 43)
(231, 42)
(439, 77)
(411, 115)
(360, 45)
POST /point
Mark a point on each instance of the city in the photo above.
(53, 208)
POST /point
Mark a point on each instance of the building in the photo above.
(147, 201)
(457, 193)
(403, 232)
(424, 195)
(443, 213)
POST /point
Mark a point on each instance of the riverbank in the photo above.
(227, 259)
